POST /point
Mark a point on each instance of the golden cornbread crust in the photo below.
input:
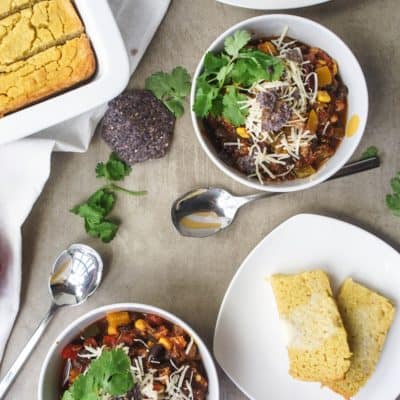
(367, 317)
(45, 74)
(43, 51)
(9, 6)
(31, 30)
(318, 346)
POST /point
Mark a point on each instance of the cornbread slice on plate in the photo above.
(317, 343)
(367, 317)
(46, 73)
(31, 30)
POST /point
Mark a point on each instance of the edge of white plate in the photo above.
(249, 5)
(237, 273)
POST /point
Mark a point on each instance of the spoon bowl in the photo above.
(76, 275)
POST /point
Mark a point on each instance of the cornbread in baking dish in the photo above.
(45, 73)
(9, 6)
(317, 346)
(367, 317)
(31, 30)
(43, 51)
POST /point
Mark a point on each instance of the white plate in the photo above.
(111, 78)
(272, 4)
(249, 343)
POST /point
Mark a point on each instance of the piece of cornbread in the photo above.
(31, 30)
(318, 348)
(367, 317)
(9, 6)
(46, 73)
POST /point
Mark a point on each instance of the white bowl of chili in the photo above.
(275, 148)
(158, 324)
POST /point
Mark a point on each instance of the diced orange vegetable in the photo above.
(268, 47)
(324, 76)
(242, 132)
(312, 123)
(166, 343)
(141, 325)
(323, 96)
(335, 68)
(117, 319)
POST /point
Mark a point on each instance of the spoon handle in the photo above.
(349, 169)
(26, 351)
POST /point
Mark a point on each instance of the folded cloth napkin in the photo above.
(21, 183)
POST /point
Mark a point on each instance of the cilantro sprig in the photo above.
(171, 89)
(393, 199)
(96, 209)
(108, 375)
(371, 151)
(226, 76)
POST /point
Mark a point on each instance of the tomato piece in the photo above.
(110, 341)
(71, 351)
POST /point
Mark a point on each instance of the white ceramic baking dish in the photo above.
(111, 78)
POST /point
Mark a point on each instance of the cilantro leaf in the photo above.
(105, 230)
(171, 88)
(109, 374)
(232, 110)
(371, 151)
(393, 200)
(114, 169)
(237, 66)
(205, 95)
(235, 43)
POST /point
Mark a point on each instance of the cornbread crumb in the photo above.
(46, 73)
(317, 346)
(367, 317)
(9, 6)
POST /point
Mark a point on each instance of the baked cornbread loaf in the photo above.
(46, 73)
(31, 30)
(367, 317)
(318, 348)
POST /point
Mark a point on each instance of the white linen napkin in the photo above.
(22, 182)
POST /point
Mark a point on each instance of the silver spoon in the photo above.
(75, 276)
(204, 212)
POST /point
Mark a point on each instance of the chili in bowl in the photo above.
(279, 103)
(129, 352)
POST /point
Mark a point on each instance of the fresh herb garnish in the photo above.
(393, 200)
(98, 206)
(371, 151)
(226, 76)
(114, 169)
(171, 88)
(108, 375)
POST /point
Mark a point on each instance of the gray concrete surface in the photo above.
(148, 262)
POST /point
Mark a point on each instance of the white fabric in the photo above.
(25, 164)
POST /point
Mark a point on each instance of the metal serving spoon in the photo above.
(75, 276)
(204, 212)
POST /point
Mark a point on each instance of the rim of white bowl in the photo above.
(80, 323)
(318, 177)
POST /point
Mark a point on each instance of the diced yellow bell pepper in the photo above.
(312, 123)
(324, 76)
(335, 68)
(117, 319)
(242, 132)
(166, 343)
(141, 325)
(323, 96)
